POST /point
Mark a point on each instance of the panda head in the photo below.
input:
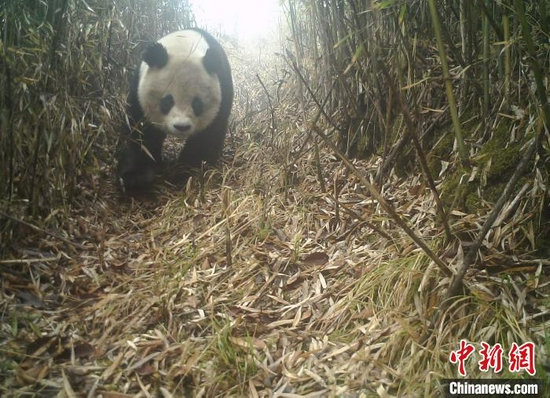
(179, 89)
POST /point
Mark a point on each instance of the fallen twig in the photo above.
(456, 283)
(387, 207)
(44, 231)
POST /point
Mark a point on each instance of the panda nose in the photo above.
(182, 127)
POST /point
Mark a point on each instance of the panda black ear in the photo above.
(155, 55)
(211, 61)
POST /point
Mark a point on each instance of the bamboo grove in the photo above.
(420, 84)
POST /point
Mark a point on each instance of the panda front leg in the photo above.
(140, 158)
(204, 146)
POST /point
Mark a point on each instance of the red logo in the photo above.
(522, 357)
(492, 357)
(519, 357)
(461, 355)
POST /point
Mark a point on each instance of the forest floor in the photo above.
(256, 280)
(244, 286)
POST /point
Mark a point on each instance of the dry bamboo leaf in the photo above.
(246, 342)
(67, 388)
(316, 259)
(32, 375)
(165, 393)
(112, 394)
(114, 366)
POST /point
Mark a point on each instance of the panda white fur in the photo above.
(183, 87)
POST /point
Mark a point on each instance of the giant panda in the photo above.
(182, 87)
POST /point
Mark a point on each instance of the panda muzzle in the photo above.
(182, 127)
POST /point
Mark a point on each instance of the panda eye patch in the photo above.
(198, 106)
(166, 103)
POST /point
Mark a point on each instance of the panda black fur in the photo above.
(183, 87)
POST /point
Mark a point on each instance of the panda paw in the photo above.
(132, 181)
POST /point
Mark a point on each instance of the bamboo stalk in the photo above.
(448, 85)
(486, 54)
(507, 57)
(533, 63)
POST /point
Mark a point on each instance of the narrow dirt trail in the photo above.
(219, 287)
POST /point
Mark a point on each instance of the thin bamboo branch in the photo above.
(456, 283)
(44, 231)
(385, 205)
(491, 20)
(425, 169)
(273, 121)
